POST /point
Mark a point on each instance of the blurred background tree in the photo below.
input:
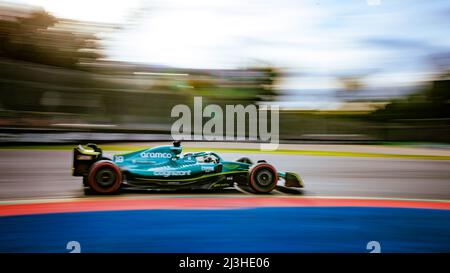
(429, 102)
(352, 83)
(41, 38)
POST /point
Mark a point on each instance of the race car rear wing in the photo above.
(83, 158)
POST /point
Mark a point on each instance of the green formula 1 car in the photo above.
(167, 168)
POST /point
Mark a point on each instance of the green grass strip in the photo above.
(237, 150)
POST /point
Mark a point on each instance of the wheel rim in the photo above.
(105, 177)
(264, 178)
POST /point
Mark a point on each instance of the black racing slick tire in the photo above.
(263, 178)
(104, 177)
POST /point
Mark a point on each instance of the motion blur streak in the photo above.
(79, 71)
(339, 72)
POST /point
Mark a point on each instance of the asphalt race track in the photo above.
(46, 174)
(402, 204)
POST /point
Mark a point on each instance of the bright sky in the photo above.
(390, 41)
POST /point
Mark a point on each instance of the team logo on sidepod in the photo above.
(155, 155)
(172, 173)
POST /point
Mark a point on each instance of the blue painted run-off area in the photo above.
(299, 229)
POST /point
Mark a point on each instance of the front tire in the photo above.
(263, 178)
(104, 177)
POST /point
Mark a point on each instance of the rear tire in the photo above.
(263, 178)
(104, 177)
